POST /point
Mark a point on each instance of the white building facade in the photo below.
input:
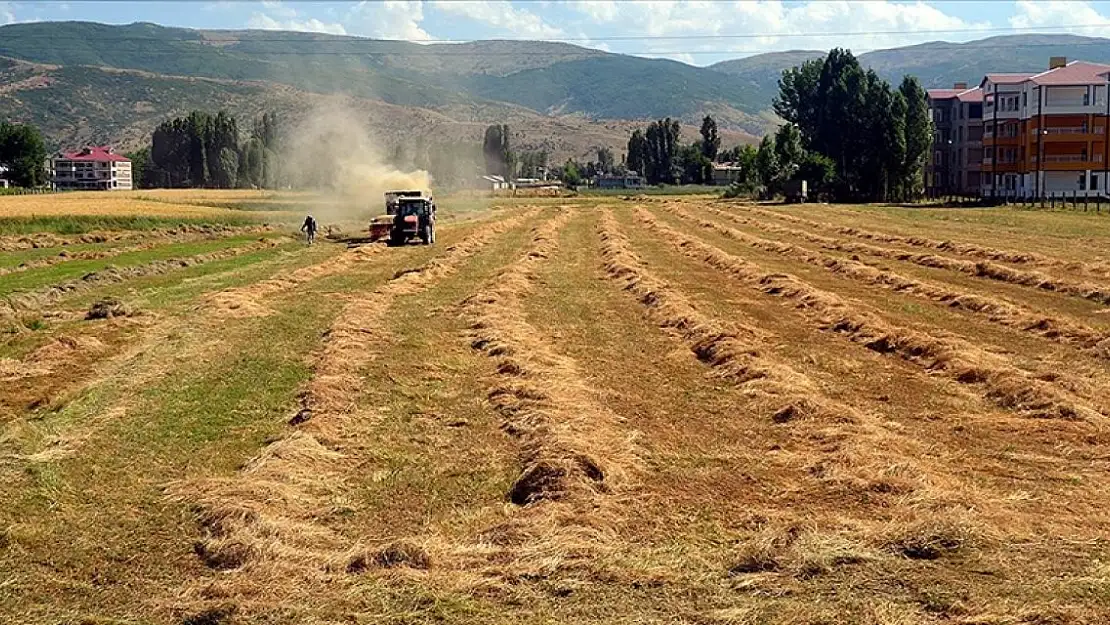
(91, 169)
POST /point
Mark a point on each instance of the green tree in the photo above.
(605, 161)
(637, 152)
(571, 174)
(798, 101)
(252, 164)
(497, 151)
(710, 139)
(767, 164)
(228, 169)
(788, 150)
(23, 153)
(141, 168)
(817, 170)
(660, 163)
(919, 133)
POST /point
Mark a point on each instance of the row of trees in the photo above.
(204, 150)
(660, 156)
(23, 155)
(876, 137)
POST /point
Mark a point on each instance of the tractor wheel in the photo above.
(426, 235)
(432, 233)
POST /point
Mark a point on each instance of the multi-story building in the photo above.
(954, 164)
(93, 168)
(1045, 134)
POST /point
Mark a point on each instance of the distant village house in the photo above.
(91, 169)
(631, 180)
(725, 174)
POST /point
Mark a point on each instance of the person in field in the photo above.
(309, 228)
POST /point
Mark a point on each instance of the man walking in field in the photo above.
(309, 228)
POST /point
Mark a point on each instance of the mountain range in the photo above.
(86, 82)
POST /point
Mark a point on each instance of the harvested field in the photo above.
(567, 410)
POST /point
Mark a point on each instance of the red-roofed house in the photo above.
(91, 169)
(1047, 134)
(954, 164)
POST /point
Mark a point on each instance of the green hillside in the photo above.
(546, 77)
(936, 64)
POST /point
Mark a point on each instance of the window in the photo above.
(1082, 182)
(936, 158)
(1087, 97)
(959, 133)
(1094, 182)
(1025, 98)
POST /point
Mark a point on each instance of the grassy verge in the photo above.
(70, 270)
(81, 224)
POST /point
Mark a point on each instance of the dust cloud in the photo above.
(332, 152)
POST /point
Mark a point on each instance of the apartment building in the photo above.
(954, 166)
(1044, 134)
(91, 169)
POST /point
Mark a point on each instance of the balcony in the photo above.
(1071, 158)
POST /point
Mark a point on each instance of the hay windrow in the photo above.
(1058, 329)
(1000, 382)
(269, 521)
(575, 454)
(41, 298)
(733, 352)
(1101, 269)
(246, 301)
(146, 242)
(979, 269)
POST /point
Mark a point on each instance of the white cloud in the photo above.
(501, 16)
(312, 25)
(1057, 13)
(775, 25)
(597, 10)
(7, 14)
(389, 19)
(275, 7)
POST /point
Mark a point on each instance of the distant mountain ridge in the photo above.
(936, 64)
(84, 81)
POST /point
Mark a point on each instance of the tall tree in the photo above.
(919, 133)
(788, 150)
(497, 151)
(141, 168)
(23, 153)
(605, 162)
(710, 139)
(798, 101)
(767, 163)
(637, 152)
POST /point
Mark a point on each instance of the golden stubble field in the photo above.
(640, 410)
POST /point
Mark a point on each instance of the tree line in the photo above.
(22, 155)
(871, 139)
(204, 150)
(660, 156)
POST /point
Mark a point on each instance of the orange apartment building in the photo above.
(1045, 134)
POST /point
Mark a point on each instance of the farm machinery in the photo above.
(409, 215)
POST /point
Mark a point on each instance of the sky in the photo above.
(698, 32)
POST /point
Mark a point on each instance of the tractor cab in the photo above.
(414, 218)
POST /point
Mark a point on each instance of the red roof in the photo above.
(975, 94)
(95, 153)
(971, 95)
(1074, 73)
(1008, 79)
(943, 94)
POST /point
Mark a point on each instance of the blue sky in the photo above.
(694, 31)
